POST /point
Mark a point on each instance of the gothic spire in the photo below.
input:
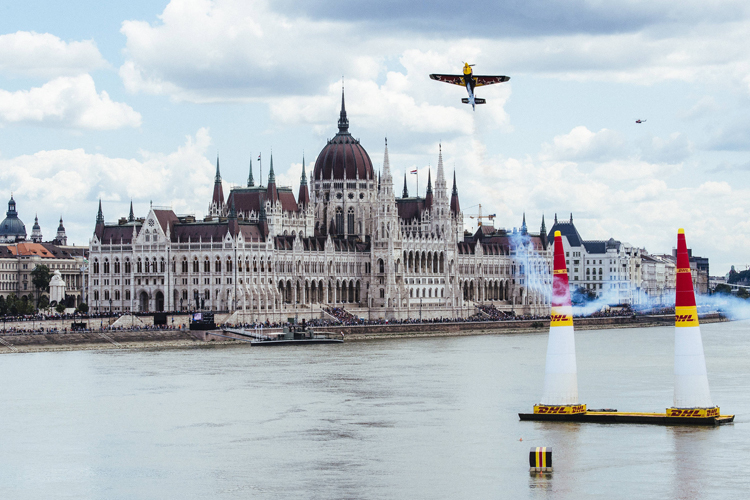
(131, 216)
(386, 163)
(343, 120)
(217, 200)
(271, 175)
(428, 195)
(543, 230)
(304, 194)
(250, 180)
(100, 215)
(524, 229)
(405, 194)
(455, 205)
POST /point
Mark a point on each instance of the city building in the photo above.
(19, 259)
(611, 269)
(345, 241)
(659, 277)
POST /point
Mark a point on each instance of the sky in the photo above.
(124, 101)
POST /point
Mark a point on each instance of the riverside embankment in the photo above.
(181, 338)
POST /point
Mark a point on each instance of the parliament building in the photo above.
(345, 241)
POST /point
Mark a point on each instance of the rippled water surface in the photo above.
(417, 418)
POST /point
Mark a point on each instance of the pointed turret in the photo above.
(304, 193)
(36, 231)
(560, 375)
(543, 234)
(217, 200)
(131, 215)
(405, 194)
(61, 238)
(441, 188)
(250, 180)
(428, 196)
(455, 206)
(271, 191)
(524, 229)
(343, 120)
(691, 390)
(571, 217)
(100, 214)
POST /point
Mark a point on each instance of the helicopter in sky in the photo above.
(469, 80)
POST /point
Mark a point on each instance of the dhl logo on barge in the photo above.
(685, 316)
(693, 412)
(559, 410)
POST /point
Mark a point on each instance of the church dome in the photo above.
(343, 158)
(12, 227)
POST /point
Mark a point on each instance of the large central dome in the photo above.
(343, 158)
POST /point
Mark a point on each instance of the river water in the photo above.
(414, 418)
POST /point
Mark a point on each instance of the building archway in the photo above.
(143, 301)
(159, 301)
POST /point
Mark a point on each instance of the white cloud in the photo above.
(584, 145)
(67, 102)
(624, 197)
(235, 50)
(69, 182)
(45, 55)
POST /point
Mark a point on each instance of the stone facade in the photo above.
(345, 241)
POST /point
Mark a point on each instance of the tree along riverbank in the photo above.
(164, 339)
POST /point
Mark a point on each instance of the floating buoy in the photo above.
(540, 459)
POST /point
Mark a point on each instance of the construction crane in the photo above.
(479, 215)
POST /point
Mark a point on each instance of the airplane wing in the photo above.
(490, 80)
(454, 79)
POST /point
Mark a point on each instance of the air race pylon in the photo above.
(692, 397)
(560, 374)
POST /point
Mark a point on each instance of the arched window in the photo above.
(161, 266)
(229, 265)
(206, 266)
(117, 294)
(339, 221)
(381, 265)
(217, 265)
(128, 267)
(117, 267)
(139, 266)
(196, 265)
(184, 265)
(127, 294)
(96, 266)
(350, 221)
